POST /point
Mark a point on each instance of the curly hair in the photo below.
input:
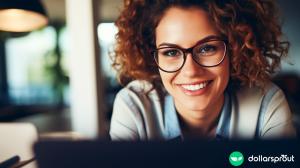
(251, 27)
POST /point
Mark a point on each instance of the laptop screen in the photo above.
(200, 153)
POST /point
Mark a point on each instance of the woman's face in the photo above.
(194, 88)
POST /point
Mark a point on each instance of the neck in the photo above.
(204, 124)
(203, 129)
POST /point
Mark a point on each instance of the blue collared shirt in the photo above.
(172, 126)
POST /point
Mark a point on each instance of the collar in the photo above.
(172, 126)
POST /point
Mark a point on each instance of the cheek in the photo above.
(166, 78)
(224, 72)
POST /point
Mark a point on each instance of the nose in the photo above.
(191, 68)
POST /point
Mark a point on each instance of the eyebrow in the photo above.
(208, 38)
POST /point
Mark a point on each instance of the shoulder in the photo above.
(259, 100)
(247, 108)
(136, 92)
(256, 92)
(134, 96)
(139, 86)
(265, 110)
(136, 108)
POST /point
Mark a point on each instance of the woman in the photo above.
(199, 69)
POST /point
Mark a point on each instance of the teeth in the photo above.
(195, 87)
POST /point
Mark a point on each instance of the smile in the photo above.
(195, 89)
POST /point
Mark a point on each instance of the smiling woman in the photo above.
(199, 69)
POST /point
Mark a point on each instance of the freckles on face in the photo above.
(193, 87)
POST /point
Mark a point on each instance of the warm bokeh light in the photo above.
(18, 20)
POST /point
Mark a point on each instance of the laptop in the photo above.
(158, 154)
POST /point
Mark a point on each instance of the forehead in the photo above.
(184, 26)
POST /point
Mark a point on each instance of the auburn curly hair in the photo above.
(251, 28)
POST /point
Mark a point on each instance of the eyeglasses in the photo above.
(207, 53)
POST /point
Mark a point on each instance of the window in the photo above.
(32, 70)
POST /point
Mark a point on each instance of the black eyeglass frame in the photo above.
(186, 51)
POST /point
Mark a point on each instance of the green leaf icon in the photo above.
(236, 158)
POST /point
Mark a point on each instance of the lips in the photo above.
(195, 88)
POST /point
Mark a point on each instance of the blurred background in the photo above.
(59, 78)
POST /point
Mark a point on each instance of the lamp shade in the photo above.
(22, 15)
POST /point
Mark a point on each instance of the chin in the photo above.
(195, 105)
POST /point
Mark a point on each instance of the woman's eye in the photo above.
(171, 53)
(208, 49)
